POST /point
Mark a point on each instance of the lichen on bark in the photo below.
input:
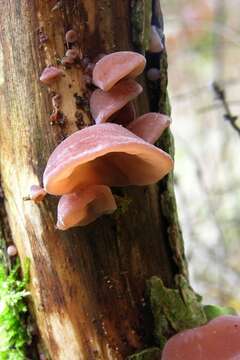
(174, 310)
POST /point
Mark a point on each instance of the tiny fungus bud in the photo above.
(217, 340)
(71, 36)
(67, 60)
(155, 41)
(153, 74)
(116, 66)
(104, 104)
(43, 38)
(72, 53)
(85, 206)
(150, 126)
(12, 250)
(106, 154)
(56, 101)
(50, 75)
(36, 193)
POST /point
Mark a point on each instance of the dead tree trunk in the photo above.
(87, 284)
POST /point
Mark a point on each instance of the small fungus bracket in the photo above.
(174, 310)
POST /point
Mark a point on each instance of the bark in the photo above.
(87, 284)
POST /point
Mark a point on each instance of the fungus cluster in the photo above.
(73, 54)
(117, 151)
(52, 74)
(218, 340)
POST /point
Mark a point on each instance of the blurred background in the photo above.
(203, 44)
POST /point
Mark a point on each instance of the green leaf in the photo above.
(213, 311)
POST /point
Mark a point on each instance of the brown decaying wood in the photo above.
(87, 284)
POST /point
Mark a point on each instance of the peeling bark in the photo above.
(87, 284)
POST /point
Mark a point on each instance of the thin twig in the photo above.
(221, 95)
(194, 92)
(216, 106)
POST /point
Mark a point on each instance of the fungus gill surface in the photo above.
(106, 154)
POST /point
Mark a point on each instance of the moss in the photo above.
(123, 203)
(174, 310)
(14, 333)
(141, 22)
